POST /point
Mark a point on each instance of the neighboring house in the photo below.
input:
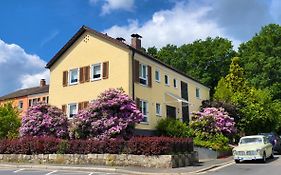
(24, 98)
(91, 62)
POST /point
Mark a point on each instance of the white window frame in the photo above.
(68, 109)
(160, 110)
(20, 104)
(142, 102)
(197, 90)
(168, 80)
(159, 76)
(141, 74)
(92, 72)
(175, 83)
(69, 77)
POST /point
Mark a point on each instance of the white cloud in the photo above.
(184, 23)
(19, 69)
(110, 5)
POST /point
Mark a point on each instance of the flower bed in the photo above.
(136, 146)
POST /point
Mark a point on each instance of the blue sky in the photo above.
(33, 31)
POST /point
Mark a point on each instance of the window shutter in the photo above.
(82, 75)
(87, 73)
(105, 70)
(85, 104)
(63, 107)
(136, 71)
(80, 106)
(65, 78)
(138, 103)
(149, 76)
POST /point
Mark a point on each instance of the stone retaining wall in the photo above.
(162, 161)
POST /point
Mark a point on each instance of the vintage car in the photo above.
(256, 147)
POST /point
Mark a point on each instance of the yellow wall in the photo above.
(156, 94)
(85, 53)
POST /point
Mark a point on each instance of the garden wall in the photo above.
(160, 161)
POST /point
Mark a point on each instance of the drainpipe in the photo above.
(133, 70)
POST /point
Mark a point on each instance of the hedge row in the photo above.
(136, 145)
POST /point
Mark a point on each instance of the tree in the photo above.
(152, 51)
(261, 59)
(206, 60)
(113, 114)
(9, 121)
(44, 120)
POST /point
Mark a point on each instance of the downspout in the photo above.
(133, 70)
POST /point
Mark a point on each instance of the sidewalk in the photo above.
(202, 166)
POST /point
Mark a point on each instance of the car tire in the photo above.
(263, 158)
(237, 161)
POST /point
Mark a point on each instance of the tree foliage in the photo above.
(9, 121)
(44, 120)
(206, 60)
(261, 59)
(113, 114)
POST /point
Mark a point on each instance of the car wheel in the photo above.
(264, 158)
(237, 161)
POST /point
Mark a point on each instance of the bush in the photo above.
(173, 128)
(9, 121)
(44, 120)
(217, 142)
(136, 145)
(113, 114)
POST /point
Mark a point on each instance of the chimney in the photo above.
(135, 41)
(42, 82)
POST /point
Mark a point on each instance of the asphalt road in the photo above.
(272, 167)
(26, 171)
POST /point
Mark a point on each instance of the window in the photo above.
(20, 104)
(167, 80)
(73, 76)
(157, 76)
(143, 74)
(143, 108)
(158, 109)
(72, 110)
(29, 103)
(197, 93)
(96, 71)
(175, 83)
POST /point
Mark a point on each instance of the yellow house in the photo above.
(91, 62)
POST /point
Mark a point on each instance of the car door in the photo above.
(268, 147)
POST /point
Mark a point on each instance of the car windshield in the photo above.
(251, 140)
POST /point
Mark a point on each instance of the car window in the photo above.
(251, 140)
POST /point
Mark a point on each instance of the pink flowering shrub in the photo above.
(44, 120)
(113, 114)
(213, 121)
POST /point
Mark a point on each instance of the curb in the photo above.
(111, 170)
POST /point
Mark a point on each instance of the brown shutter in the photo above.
(87, 73)
(138, 102)
(80, 106)
(65, 78)
(81, 74)
(136, 71)
(149, 76)
(85, 104)
(105, 70)
(63, 107)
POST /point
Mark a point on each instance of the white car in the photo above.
(256, 147)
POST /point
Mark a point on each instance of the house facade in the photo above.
(91, 62)
(24, 98)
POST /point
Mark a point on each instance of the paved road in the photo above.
(272, 167)
(26, 171)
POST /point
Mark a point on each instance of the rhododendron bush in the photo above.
(44, 120)
(113, 114)
(213, 121)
